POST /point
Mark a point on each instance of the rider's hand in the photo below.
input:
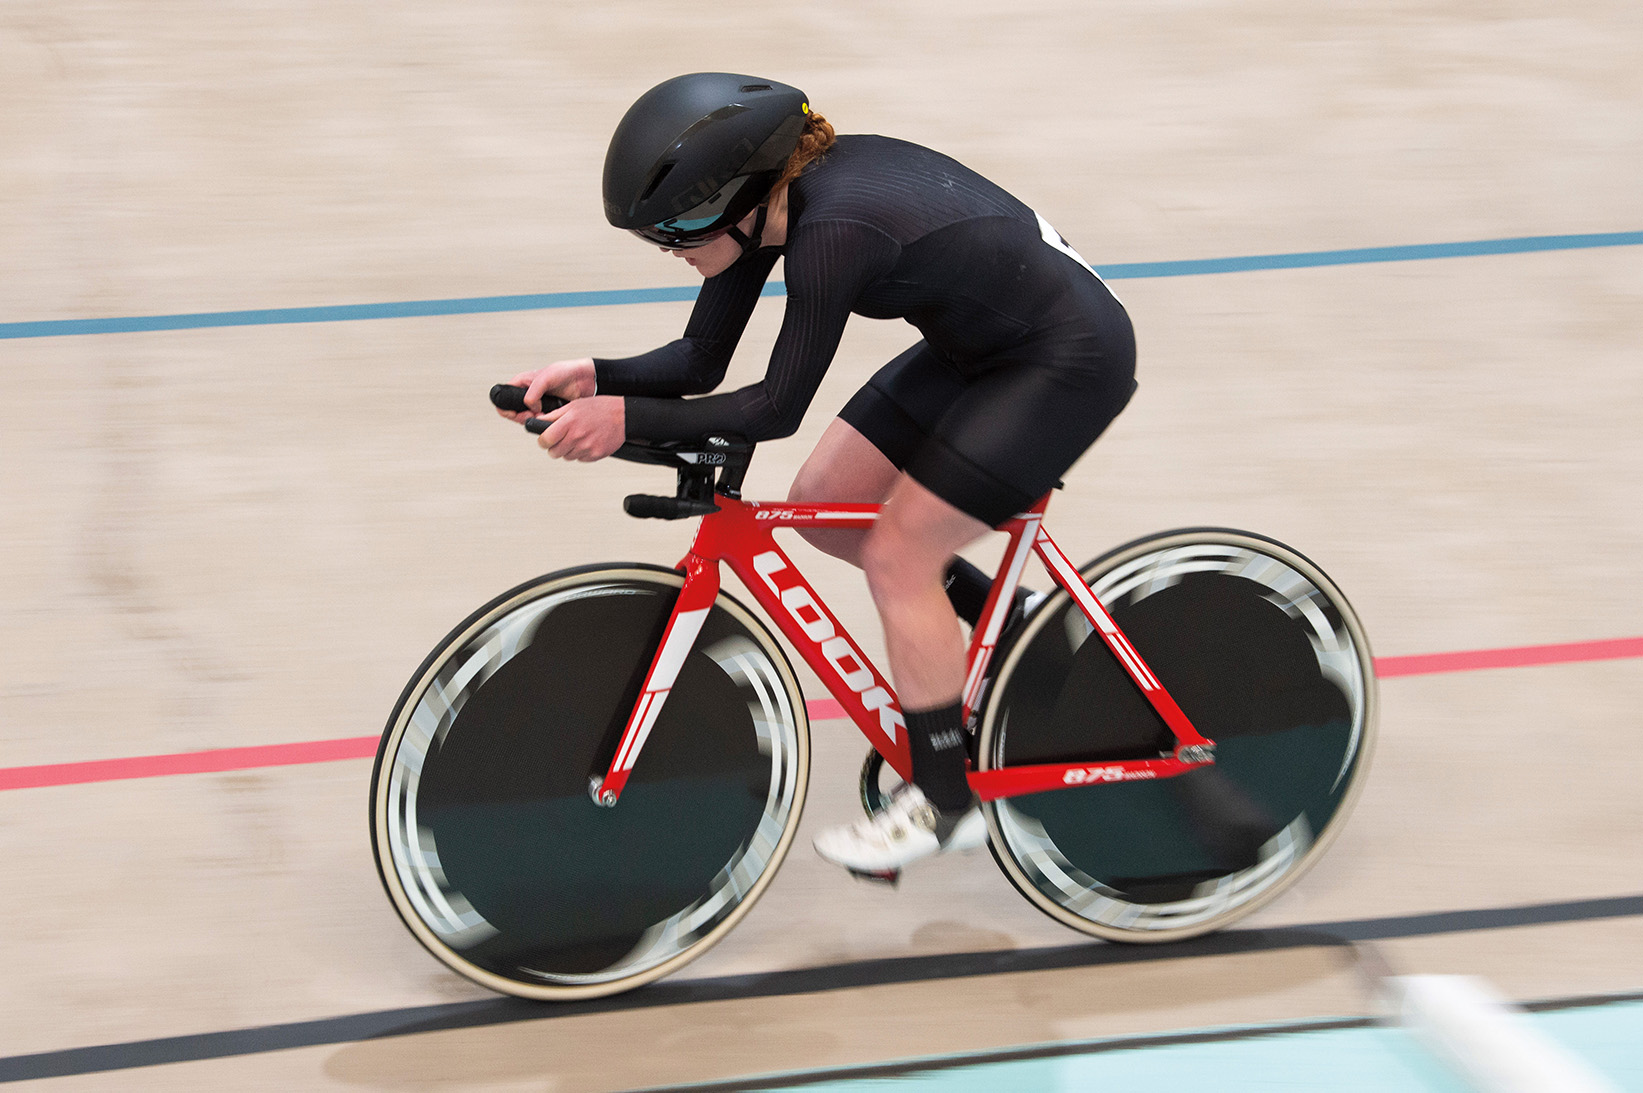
(572, 379)
(587, 429)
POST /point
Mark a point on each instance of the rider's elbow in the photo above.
(785, 423)
(699, 383)
(705, 372)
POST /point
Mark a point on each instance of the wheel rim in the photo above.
(1140, 861)
(506, 868)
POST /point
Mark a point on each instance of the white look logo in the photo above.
(1081, 775)
(841, 656)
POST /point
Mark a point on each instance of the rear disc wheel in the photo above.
(1266, 658)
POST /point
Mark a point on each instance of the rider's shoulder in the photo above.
(845, 190)
(852, 153)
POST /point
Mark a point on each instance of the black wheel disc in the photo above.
(513, 868)
(1263, 658)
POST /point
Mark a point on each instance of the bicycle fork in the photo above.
(696, 598)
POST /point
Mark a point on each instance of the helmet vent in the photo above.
(656, 179)
(754, 87)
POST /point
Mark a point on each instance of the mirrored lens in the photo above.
(699, 225)
(676, 242)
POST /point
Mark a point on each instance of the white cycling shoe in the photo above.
(908, 829)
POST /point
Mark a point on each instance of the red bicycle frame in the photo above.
(739, 534)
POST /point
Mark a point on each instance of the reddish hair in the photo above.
(814, 142)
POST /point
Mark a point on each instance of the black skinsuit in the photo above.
(1025, 357)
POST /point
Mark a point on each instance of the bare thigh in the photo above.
(905, 556)
(845, 467)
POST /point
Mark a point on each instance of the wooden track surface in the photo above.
(251, 535)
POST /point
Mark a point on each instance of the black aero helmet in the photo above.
(697, 153)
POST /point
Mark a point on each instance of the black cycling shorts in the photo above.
(993, 438)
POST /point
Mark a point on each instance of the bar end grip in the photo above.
(646, 506)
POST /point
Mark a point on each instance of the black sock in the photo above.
(936, 739)
(967, 587)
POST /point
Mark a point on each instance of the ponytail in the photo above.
(814, 142)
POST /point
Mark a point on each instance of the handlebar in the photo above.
(696, 462)
(506, 396)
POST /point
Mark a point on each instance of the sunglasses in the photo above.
(672, 239)
(701, 225)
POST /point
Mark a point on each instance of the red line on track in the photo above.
(821, 709)
(188, 762)
(1522, 656)
(824, 709)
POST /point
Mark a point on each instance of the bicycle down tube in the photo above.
(739, 534)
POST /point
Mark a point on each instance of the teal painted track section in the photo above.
(1361, 1059)
(1608, 1037)
(1372, 1060)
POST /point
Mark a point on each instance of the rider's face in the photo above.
(712, 259)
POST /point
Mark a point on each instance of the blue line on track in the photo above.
(1116, 271)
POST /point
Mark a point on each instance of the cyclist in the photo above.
(1025, 357)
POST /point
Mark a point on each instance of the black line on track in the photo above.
(412, 1020)
(1590, 1001)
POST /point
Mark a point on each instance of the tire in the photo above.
(1267, 659)
(486, 837)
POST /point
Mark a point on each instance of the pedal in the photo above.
(886, 876)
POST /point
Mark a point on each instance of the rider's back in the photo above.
(886, 229)
(914, 234)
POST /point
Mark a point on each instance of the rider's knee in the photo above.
(895, 561)
(844, 467)
(809, 486)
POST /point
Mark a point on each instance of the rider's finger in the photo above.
(553, 439)
(525, 379)
(538, 387)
